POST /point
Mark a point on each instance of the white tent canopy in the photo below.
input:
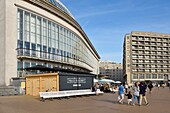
(107, 81)
(118, 82)
(95, 80)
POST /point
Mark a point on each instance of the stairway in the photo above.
(7, 91)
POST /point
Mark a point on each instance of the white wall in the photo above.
(2, 42)
(10, 41)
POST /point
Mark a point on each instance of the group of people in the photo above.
(102, 87)
(139, 93)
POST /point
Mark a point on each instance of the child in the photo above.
(129, 97)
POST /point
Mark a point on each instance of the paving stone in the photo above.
(159, 102)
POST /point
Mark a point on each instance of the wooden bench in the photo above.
(68, 93)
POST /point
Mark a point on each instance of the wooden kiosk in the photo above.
(41, 82)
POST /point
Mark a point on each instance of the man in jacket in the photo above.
(142, 93)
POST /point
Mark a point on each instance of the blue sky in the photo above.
(107, 21)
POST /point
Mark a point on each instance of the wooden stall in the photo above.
(41, 82)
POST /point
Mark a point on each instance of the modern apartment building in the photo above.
(146, 56)
(42, 32)
(112, 70)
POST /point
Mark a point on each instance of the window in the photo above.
(148, 76)
(160, 76)
(27, 26)
(154, 76)
(135, 76)
(42, 37)
(20, 24)
(38, 30)
(141, 76)
(20, 65)
(33, 28)
(26, 64)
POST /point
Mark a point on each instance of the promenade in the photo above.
(159, 102)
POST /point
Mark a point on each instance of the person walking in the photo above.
(158, 86)
(121, 93)
(129, 97)
(126, 88)
(142, 93)
(136, 93)
(150, 86)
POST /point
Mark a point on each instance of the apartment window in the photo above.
(141, 76)
(154, 76)
(148, 76)
(135, 76)
(160, 76)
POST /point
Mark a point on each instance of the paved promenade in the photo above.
(159, 102)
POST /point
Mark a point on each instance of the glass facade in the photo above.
(41, 38)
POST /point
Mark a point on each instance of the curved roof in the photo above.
(58, 4)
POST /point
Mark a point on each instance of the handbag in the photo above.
(136, 93)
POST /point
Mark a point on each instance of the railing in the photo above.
(50, 56)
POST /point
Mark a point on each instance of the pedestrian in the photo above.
(142, 93)
(129, 97)
(136, 93)
(126, 88)
(93, 89)
(150, 86)
(121, 93)
(158, 86)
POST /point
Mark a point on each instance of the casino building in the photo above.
(43, 33)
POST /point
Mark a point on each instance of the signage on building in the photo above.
(75, 82)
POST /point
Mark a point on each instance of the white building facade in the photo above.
(112, 70)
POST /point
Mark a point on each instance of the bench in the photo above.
(68, 93)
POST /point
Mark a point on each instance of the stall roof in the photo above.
(44, 74)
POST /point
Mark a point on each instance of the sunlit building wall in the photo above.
(112, 70)
(146, 56)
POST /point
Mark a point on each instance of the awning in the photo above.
(55, 69)
(107, 81)
(39, 67)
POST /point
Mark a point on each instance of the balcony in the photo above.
(51, 57)
(159, 39)
(134, 38)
